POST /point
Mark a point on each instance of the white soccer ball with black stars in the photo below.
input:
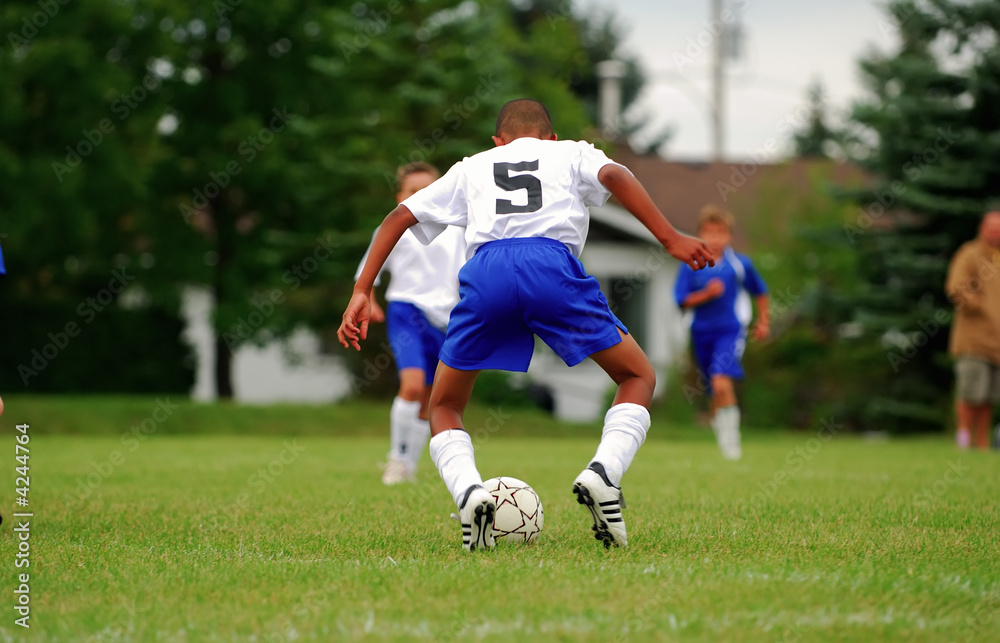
(519, 516)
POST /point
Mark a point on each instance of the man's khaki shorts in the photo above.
(977, 381)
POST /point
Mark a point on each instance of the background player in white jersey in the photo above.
(523, 205)
(720, 297)
(422, 291)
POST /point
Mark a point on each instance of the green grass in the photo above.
(186, 539)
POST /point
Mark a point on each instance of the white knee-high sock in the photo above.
(452, 454)
(416, 442)
(727, 431)
(625, 427)
(717, 431)
(401, 416)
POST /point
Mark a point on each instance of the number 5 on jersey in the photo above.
(527, 182)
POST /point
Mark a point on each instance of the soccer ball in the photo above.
(519, 515)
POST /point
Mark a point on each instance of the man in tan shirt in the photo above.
(973, 286)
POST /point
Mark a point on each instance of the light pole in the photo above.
(718, 80)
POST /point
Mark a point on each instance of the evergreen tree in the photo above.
(814, 140)
(929, 131)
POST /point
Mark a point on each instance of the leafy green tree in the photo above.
(247, 149)
(929, 129)
(288, 120)
(69, 174)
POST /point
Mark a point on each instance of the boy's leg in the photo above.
(420, 429)
(627, 421)
(722, 355)
(402, 416)
(420, 432)
(598, 487)
(726, 421)
(453, 455)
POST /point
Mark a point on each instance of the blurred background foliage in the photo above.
(232, 145)
(249, 149)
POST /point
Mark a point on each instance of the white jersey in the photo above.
(526, 188)
(425, 276)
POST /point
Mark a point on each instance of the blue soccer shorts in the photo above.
(415, 342)
(514, 289)
(720, 352)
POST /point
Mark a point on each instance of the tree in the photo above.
(288, 120)
(63, 150)
(249, 149)
(815, 139)
(929, 129)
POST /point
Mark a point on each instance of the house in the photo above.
(262, 374)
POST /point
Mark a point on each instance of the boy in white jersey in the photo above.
(420, 296)
(523, 206)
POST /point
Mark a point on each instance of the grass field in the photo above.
(234, 523)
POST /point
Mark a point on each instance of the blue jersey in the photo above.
(732, 309)
(3, 270)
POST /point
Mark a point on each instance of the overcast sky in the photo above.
(786, 45)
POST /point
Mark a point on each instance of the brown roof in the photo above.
(681, 190)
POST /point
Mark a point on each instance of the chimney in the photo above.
(609, 97)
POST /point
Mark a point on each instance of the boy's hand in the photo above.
(691, 251)
(715, 288)
(761, 330)
(355, 322)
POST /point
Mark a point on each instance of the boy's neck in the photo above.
(507, 139)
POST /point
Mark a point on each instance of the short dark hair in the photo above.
(404, 171)
(524, 117)
(715, 214)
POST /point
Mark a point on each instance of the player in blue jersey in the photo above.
(720, 297)
(523, 205)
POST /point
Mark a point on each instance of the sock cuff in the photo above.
(400, 403)
(628, 418)
(628, 412)
(448, 440)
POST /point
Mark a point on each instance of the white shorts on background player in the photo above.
(526, 188)
(425, 276)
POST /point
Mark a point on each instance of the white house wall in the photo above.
(262, 375)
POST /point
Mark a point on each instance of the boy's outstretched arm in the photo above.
(712, 290)
(762, 327)
(636, 200)
(358, 313)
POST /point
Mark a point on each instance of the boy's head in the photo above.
(523, 117)
(715, 227)
(413, 177)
